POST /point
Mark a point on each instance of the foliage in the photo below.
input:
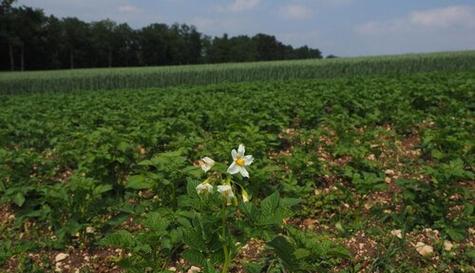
(127, 163)
(31, 40)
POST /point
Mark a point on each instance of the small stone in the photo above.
(309, 223)
(58, 267)
(172, 269)
(371, 157)
(389, 172)
(423, 249)
(194, 269)
(90, 230)
(397, 233)
(60, 257)
(448, 245)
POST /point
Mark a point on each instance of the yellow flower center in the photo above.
(240, 162)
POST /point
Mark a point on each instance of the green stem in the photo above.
(226, 260)
(225, 247)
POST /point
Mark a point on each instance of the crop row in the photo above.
(133, 78)
(121, 169)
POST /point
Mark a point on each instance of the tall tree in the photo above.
(28, 25)
(219, 51)
(53, 31)
(75, 36)
(30, 40)
(125, 45)
(154, 45)
(104, 41)
(7, 29)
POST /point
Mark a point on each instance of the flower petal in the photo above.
(206, 164)
(244, 172)
(248, 159)
(225, 188)
(234, 154)
(233, 168)
(241, 150)
(208, 161)
(204, 188)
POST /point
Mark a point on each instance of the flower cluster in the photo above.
(239, 164)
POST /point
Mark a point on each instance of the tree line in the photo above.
(31, 40)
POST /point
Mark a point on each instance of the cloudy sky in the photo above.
(340, 27)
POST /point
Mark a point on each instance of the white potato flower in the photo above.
(204, 188)
(227, 192)
(206, 164)
(240, 161)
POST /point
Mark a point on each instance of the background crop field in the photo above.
(116, 78)
(379, 170)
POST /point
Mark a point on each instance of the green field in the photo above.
(146, 77)
(360, 165)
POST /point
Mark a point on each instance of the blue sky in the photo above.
(340, 27)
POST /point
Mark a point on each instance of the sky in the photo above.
(338, 27)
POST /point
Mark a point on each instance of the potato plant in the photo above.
(369, 173)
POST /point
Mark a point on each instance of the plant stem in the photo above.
(225, 247)
(226, 260)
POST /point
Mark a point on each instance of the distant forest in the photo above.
(31, 40)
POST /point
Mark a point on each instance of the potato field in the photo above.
(351, 165)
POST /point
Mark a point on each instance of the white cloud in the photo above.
(375, 27)
(439, 29)
(456, 17)
(296, 12)
(240, 5)
(463, 16)
(128, 9)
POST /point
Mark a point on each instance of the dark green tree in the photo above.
(31, 40)
(8, 34)
(75, 37)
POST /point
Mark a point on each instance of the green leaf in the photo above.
(121, 238)
(285, 251)
(138, 182)
(19, 199)
(102, 189)
(470, 253)
(270, 203)
(301, 253)
(156, 222)
(254, 267)
(339, 227)
(454, 234)
(123, 146)
(194, 257)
